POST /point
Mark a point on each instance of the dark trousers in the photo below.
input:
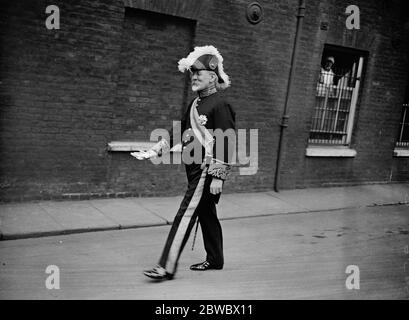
(191, 208)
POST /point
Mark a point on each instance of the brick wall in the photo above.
(57, 88)
(111, 74)
(384, 37)
(150, 93)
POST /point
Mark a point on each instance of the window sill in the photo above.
(130, 146)
(330, 151)
(400, 152)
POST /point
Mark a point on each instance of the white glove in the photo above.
(142, 155)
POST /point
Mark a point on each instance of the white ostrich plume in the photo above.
(185, 63)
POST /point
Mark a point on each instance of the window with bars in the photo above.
(336, 96)
(403, 135)
(403, 138)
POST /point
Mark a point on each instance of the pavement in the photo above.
(47, 218)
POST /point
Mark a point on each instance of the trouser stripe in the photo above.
(175, 248)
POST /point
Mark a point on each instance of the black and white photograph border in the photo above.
(258, 148)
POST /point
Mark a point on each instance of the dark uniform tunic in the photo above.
(220, 115)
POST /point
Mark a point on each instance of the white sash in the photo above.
(201, 133)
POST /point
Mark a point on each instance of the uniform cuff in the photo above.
(219, 171)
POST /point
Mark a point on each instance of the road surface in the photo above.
(289, 256)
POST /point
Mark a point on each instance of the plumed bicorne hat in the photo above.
(206, 58)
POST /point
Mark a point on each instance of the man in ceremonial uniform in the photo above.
(207, 113)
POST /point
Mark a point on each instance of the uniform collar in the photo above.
(207, 92)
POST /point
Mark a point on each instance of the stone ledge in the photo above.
(397, 152)
(330, 151)
(130, 145)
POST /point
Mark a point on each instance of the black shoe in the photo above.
(158, 273)
(205, 265)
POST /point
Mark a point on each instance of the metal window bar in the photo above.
(336, 98)
(403, 141)
(354, 100)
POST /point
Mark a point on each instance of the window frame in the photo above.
(402, 147)
(327, 147)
